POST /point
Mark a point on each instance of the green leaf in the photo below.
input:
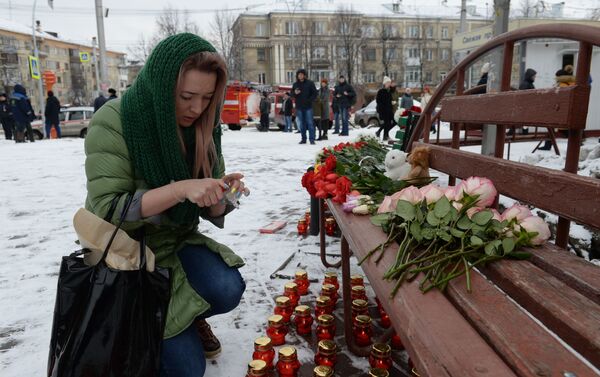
(464, 223)
(442, 207)
(432, 219)
(405, 210)
(381, 219)
(444, 235)
(508, 245)
(476, 241)
(427, 233)
(457, 233)
(420, 215)
(415, 230)
(482, 218)
(490, 249)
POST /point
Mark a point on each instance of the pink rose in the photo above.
(453, 193)
(386, 205)
(482, 187)
(411, 194)
(457, 205)
(497, 215)
(473, 210)
(432, 193)
(538, 225)
(517, 212)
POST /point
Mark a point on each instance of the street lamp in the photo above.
(37, 58)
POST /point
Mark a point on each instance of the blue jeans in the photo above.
(344, 115)
(49, 128)
(304, 120)
(336, 121)
(222, 287)
(288, 123)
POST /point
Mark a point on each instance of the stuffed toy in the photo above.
(419, 162)
(396, 167)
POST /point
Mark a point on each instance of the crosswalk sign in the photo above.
(84, 57)
(34, 67)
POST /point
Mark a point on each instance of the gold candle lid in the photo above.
(301, 274)
(330, 220)
(302, 221)
(359, 304)
(263, 343)
(358, 289)
(323, 300)
(276, 320)
(328, 288)
(325, 319)
(378, 372)
(363, 319)
(322, 371)
(282, 301)
(327, 347)
(307, 211)
(290, 287)
(302, 310)
(287, 353)
(331, 274)
(257, 368)
(356, 277)
(381, 350)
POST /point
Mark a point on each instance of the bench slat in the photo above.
(526, 346)
(430, 325)
(530, 184)
(538, 107)
(566, 312)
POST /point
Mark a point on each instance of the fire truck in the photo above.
(276, 98)
(241, 105)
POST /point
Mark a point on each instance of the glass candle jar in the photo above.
(358, 292)
(307, 216)
(263, 350)
(288, 364)
(257, 368)
(359, 307)
(384, 319)
(330, 226)
(377, 372)
(323, 306)
(397, 342)
(291, 290)
(325, 327)
(326, 353)
(413, 370)
(302, 227)
(277, 330)
(322, 371)
(301, 280)
(357, 279)
(381, 356)
(363, 330)
(330, 291)
(283, 307)
(331, 277)
(303, 320)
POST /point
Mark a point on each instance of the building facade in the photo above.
(413, 51)
(75, 79)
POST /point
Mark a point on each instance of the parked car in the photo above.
(368, 117)
(74, 121)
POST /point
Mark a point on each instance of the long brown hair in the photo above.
(206, 154)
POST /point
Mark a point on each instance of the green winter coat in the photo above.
(110, 173)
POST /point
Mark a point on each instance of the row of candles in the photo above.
(287, 306)
(330, 225)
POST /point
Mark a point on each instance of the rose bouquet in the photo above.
(445, 232)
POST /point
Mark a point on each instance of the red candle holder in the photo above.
(307, 216)
(288, 364)
(377, 372)
(331, 277)
(301, 280)
(358, 292)
(323, 306)
(303, 320)
(330, 291)
(277, 330)
(359, 307)
(330, 226)
(397, 342)
(291, 290)
(326, 353)
(263, 350)
(257, 368)
(325, 327)
(356, 279)
(302, 227)
(381, 356)
(322, 371)
(363, 330)
(283, 307)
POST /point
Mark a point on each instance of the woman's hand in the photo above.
(234, 181)
(204, 192)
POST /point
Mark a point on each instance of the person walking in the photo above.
(527, 84)
(52, 113)
(406, 101)
(324, 109)
(287, 110)
(336, 114)
(112, 94)
(384, 108)
(23, 114)
(161, 144)
(99, 101)
(345, 97)
(6, 117)
(304, 92)
(395, 99)
(485, 70)
(265, 108)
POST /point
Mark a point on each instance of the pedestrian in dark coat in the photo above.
(287, 111)
(305, 93)
(265, 109)
(485, 70)
(345, 96)
(99, 101)
(113, 94)
(407, 101)
(385, 108)
(528, 80)
(23, 114)
(324, 109)
(52, 113)
(6, 117)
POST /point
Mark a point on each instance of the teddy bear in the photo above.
(419, 162)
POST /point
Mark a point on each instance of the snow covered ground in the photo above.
(43, 184)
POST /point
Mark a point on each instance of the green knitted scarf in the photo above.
(149, 124)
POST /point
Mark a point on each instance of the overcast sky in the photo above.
(127, 19)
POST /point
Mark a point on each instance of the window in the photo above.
(429, 54)
(261, 54)
(344, 28)
(319, 53)
(58, 80)
(443, 75)
(393, 75)
(428, 77)
(445, 32)
(390, 31)
(262, 78)
(429, 32)
(76, 115)
(395, 7)
(445, 54)
(62, 116)
(291, 76)
(413, 31)
(413, 52)
(369, 77)
(89, 114)
(66, 66)
(370, 54)
(369, 31)
(391, 53)
(261, 30)
(317, 75)
(412, 75)
(291, 27)
(342, 53)
(292, 52)
(319, 27)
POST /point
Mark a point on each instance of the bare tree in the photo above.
(351, 39)
(308, 38)
(526, 8)
(221, 36)
(389, 40)
(595, 14)
(141, 50)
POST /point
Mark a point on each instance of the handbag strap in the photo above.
(128, 201)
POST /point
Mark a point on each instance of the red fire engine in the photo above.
(242, 100)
